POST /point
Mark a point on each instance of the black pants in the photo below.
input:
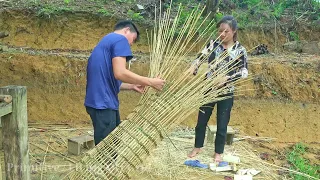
(223, 117)
(104, 122)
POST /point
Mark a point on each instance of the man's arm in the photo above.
(123, 74)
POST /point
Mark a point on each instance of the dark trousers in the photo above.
(223, 117)
(104, 122)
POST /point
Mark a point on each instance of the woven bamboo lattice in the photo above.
(118, 155)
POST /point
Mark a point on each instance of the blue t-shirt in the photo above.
(102, 87)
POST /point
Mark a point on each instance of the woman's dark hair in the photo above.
(231, 22)
(129, 24)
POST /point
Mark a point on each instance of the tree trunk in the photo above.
(212, 7)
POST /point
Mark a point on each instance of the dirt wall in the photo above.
(82, 31)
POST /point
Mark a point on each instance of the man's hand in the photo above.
(126, 76)
(138, 88)
(157, 83)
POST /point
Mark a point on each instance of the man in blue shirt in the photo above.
(107, 75)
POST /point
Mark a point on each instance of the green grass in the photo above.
(49, 10)
(249, 13)
(299, 163)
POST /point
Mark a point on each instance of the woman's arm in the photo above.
(242, 70)
(134, 87)
(204, 53)
(126, 86)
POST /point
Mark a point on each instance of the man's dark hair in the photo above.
(129, 24)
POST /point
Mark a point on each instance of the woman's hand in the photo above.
(222, 81)
(138, 88)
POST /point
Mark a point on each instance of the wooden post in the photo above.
(15, 135)
(211, 7)
(0, 148)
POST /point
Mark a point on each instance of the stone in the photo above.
(293, 46)
(74, 144)
(311, 47)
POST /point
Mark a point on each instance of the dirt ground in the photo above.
(49, 157)
(281, 100)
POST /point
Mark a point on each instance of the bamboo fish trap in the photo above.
(118, 155)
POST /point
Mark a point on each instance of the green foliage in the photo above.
(218, 16)
(295, 158)
(247, 12)
(315, 3)
(278, 10)
(293, 35)
(104, 12)
(134, 15)
(67, 1)
(185, 14)
(251, 3)
(280, 7)
(126, 1)
(243, 19)
(48, 11)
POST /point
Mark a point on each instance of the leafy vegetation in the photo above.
(294, 36)
(299, 163)
(134, 15)
(67, 1)
(249, 13)
(48, 10)
(104, 12)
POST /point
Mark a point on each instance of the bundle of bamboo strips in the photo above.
(118, 155)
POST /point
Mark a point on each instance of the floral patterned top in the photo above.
(216, 50)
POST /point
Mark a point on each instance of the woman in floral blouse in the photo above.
(227, 46)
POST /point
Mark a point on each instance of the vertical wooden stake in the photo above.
(15, 135)
(0, 148)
